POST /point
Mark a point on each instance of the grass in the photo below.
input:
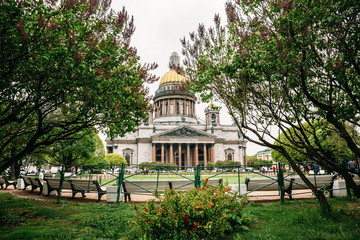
(303, 220)
(229, 178)
(30, 219)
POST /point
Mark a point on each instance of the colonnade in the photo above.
(184, 154)
(174, 106)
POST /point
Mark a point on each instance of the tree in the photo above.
(285, 64)
(115, 159)
(329, 140)
(74, 151)
(99, 154)
(66, 66)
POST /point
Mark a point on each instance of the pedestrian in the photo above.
(307, 168)
(352, 166)
(316, 169)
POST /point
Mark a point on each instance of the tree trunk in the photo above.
(12, 171)
(351, 183)
(324, 205)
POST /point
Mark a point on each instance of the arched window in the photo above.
(213, 118)
(177, 108)
(166, 108)
(229, 157)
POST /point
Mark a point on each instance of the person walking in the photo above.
(316, 169)
(352, 166)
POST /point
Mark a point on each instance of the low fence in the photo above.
(276, 179)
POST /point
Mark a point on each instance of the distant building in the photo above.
(264, 155)
(173, 133)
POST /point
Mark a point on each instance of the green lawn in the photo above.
(229, 178)
(30, 219)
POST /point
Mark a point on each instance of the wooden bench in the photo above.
(290, 183)
(143, 187)
(34, 182)
(75, 185)
(322, 182)
(3, 180)
(148, 186)
(85, 186)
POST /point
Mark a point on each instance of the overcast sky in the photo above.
(160, 24)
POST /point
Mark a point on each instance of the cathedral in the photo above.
(174, 134)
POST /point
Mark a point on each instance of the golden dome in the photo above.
(173, 76)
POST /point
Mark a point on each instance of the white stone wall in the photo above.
(219, 152)
(144, 152)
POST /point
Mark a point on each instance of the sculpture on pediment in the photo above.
(183, 132)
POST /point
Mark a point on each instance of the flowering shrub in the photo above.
(207, 212)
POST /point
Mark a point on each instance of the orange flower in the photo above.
(146, 209)
(200, 189)
(206, 180)
(198, 207)
(210, 204)
(158, 210)
(226, 190)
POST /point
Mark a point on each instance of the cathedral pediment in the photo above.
(184, 132)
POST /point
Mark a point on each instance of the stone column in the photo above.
(213, 153)
(162, 153)
(245, 160)
(164, 107)
(205, 154)
(196, 154)
(188, 155)
(171, 153)
(154, 152)
(179, 155)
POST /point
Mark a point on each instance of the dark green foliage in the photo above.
(210, 166)
(66, 66)
(258, 163)
(204, 213)
(226, 164)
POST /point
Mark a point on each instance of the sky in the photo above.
(160, 24)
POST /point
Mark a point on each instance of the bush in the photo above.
(196, 214)
(226, 164)
(149, 165)
(210, 166)
(258, 163)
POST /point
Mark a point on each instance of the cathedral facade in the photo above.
(174, 134)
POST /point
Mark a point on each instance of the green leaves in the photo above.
(202, 213)
(70, 57)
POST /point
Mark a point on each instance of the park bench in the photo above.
(3, 180)
(143, 187)
(146, 187)
(291, 183)
(85, 186)
(76, 186)
(34, 182)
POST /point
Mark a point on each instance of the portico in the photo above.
(184, 146)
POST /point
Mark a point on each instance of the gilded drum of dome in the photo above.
(173, 76)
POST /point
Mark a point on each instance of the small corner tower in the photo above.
(212, 114)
